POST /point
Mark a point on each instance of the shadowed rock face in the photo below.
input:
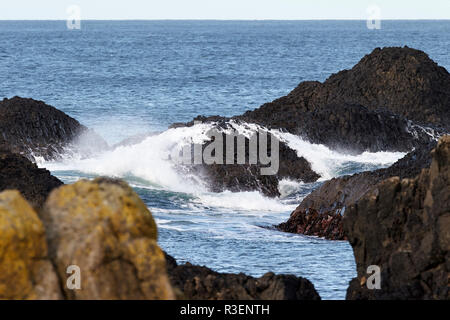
(402, 226)
(17, 172)
(404, 81)
(201, 283)
(33, 128)
(321, 212)
(394, 99)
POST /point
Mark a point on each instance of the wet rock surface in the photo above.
(35, 129)
(201, 283)
(246, 175)
(321, 212)
(402, 226)
(19, 173)
(311, 222)
(394, 99)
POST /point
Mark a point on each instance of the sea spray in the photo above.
(150, 160)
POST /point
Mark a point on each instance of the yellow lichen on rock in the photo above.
(105, 229)
(25, 271)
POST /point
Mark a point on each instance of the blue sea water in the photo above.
(128, 77)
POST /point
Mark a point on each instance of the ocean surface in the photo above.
(124, 78)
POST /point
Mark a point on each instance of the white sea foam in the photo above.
(248, 201)
(287, 187)
(326, 162)
(150, 161)
(323, 160)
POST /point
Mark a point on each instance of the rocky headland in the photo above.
(393, 99)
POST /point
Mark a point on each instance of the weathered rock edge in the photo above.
(403, 227)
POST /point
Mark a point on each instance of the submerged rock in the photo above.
(35, 129)
(402, 226)
(25, 269)
(320, 213)
(17, 172)
(105, 229)
(201, 283)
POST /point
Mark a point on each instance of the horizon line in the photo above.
(200, 19)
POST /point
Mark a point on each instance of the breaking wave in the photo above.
(149, 162)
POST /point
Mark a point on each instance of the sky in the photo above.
(224, 9)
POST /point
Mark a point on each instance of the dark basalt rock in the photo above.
(33, 128)
(201, 283)
(402, 226)
(375, 106)
(394, 99)
(247, 177)
(329, 201)
(17, 172)
(311, 222)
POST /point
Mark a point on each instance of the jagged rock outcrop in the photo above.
(321, 212)
(247, 176)
(26, 272)
(394, 99)
(17, 172)
(402, 226)
(201, 283)
(375, 106)
(35, 129)
(104, 228)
